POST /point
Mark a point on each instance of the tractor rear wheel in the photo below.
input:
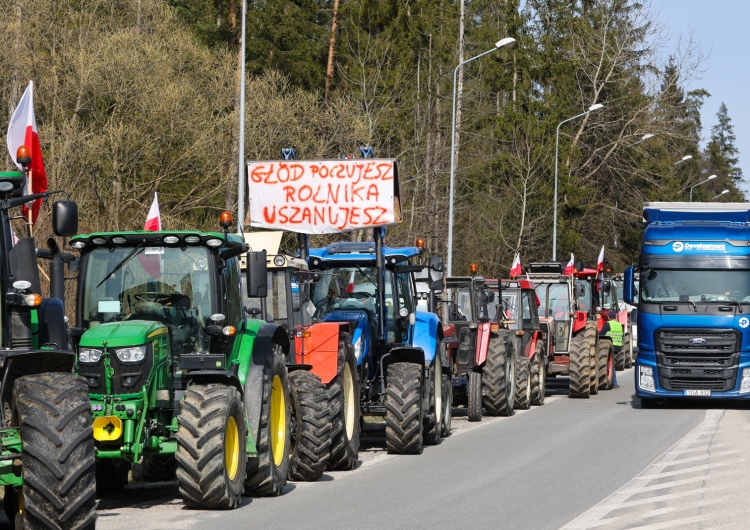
(447, 405)
(538, 376)
(605, 354)
(523, 384)
(211, 447)
(579, 367)
(403, 417)
(590, 333)
(475, 396)
(433, 420)
(268, 471)
(54, 416)
(310, 426)
(158, 468)
(499, 376)
(343, 395)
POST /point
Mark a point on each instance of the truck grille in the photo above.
(704, 359)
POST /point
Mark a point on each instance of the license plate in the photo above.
(701, 393)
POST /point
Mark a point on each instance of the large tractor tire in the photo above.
(158, 468)
(310, 427)
(267, 472)
(344, 397)
(605, 353)
(591, 333)
(211, 447)
(433, 420)
(579, 368)
(403, 417)
(522, 393)
(538, 376)
(447, 405)
(475, 396)
(499, 376)
(54, 416)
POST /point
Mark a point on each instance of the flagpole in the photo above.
(30, 210)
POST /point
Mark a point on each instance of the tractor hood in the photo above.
(129, 333)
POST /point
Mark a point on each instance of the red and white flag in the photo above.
(22, 131)
(570, 267)
(350, 285)
(516, 270)
(153, 221)
(600, 261)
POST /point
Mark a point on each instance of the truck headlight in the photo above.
(86, 355)
(646, 378)
(133, 354)
(745, 383)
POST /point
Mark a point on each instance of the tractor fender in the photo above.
(404, 354)
(428, 332)
(262, 356)
(320, 348)
(204, 377)
(483, 342)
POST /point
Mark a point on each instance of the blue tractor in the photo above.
(401, 360)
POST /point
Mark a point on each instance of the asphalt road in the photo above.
(596, 463)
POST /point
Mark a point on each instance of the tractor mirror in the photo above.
(65, 218)
(606, 286)
(257, 275)
(436, 273)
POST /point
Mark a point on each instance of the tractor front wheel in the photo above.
(605, 353)
(538, 376)
(475, 396)
(433, 420)
(579, 368)
(54, 415)
(403, 417)
(523, 383)
(498, 376)
(211, 447)
(311, 427)
(343, 394)
(447, 405)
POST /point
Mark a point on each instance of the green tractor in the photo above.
(46, 449)
(180, 381)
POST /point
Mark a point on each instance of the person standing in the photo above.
(612, 329)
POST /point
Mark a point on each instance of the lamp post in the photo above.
(557, 146)
(241, 168)
(701, 182)
(643, 139)
(507, 41)
(720, 194)
(683, 159)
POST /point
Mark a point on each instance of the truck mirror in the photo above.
(436, 273)
(627, 287)
(65, 218)
(256, 275)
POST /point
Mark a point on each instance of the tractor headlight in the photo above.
(87, 355)
(133, 354)
(358, 347)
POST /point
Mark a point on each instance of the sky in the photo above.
(720, 28)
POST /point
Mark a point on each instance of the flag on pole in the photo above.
(350, 285)
(153, 220)
(516, 270)
(600, 261)
(570, 267)
(22, 131)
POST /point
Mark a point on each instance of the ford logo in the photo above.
(697, 341)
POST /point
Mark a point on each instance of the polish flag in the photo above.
(570, 267)
(350, 285)
(153, 221)
(600, 261)
(22, 131)
(515, 269)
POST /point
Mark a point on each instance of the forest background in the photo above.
(138, 96)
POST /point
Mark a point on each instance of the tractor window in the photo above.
(233, 294)
(277, 303)
(530, 317)
(462, 301)
(405, 291)
(510, 308)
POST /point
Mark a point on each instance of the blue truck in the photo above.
(694, 302)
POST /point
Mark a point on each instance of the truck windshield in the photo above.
(670, 285)
(169, 285)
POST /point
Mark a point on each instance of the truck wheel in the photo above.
(310, 427)
(268, 471)
(433, 420)
(579, 367)
(54, 416)
(211, 446)
(159, 468)
(627, 350)
(343, 395)
(538, 376)
(523, 384)
(475, 396)
(499, 376)
(403, 402)
(605, 354)
(447, 405)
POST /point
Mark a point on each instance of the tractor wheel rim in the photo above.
(232, 448)
(278, 421)
(349, 401)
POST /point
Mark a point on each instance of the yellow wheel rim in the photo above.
(278, 420)
(232, 448)
(349, 401)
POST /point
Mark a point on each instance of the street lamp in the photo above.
(683, 159)
(557, 144)
(701, 182)
(507, 41)
(643, 139)
(720, 194)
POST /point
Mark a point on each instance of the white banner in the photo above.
(323, 196)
